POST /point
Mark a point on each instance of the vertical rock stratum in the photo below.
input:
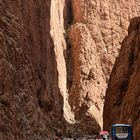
(95, 37)
(55, 60)
(30, 93)
(122, 102)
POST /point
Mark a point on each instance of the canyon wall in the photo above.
(55, 60)
(30, 96)
(95, 37)
(122, 102)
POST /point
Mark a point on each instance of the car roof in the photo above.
(121, 125)
(104, 132)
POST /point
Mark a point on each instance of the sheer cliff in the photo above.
(55, 61)
(123, 93)
(95, 36)
(29, 90)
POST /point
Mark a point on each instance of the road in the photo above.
(85, 138)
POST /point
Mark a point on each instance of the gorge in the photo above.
(56, 57)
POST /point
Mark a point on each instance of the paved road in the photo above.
(80, 139)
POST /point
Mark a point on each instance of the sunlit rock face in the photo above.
(122, 102)
(95, 36)
(55, 60)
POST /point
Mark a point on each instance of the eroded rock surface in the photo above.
(97, 30)
(29, 94)
(55, 61)
(122, 102)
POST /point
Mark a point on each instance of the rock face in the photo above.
(29, 90)
(55, 60)
(122, 102)
(95, 36)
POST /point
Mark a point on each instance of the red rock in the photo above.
(122, 97)
(55, 61)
